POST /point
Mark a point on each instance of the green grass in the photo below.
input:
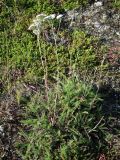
(65, 126)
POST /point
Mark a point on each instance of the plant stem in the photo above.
(44, 65)
(96, 125)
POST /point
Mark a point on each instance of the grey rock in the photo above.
(97, 21)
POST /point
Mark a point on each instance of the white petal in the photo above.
(59, 16)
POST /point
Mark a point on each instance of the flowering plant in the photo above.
(39, 22)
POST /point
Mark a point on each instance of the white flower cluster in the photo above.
(39, 21)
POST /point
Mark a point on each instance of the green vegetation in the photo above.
(70, 125)
(116, 4)
(61, 113)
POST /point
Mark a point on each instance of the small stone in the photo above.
(1, 129)
(97, 24)
(118, 33)
(98, 4)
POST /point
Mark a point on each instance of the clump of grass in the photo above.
(70, 125)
